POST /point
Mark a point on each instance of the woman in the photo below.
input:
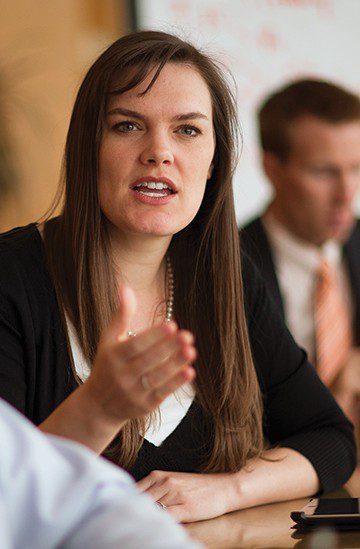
(148, 201)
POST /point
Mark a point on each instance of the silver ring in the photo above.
(162, 505)
(145, 382)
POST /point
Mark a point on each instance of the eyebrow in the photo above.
(179, 117)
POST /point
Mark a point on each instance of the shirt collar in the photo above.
(305, 255)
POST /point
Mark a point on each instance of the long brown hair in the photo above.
(205, 255)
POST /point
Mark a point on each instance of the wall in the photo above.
(264, 43)
(45, 47)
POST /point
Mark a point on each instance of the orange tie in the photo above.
(333, 332)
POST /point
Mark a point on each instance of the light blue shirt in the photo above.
(55, 493)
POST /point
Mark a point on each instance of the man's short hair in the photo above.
(319, 98)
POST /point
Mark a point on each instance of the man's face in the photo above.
(316, 185)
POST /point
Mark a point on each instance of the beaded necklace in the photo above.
(170, 292)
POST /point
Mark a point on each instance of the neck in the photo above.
(140, 263)
(280, 217)
(139, 260)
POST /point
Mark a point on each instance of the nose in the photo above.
(157, 151)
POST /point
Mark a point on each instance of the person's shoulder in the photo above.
(21, 253)
(253, 237)
(355, 233)
(19, 238)
(253, 225)
(251, 232)
(351, 247)
(253, 282)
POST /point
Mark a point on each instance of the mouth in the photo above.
(154, 187)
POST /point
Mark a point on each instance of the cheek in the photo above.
(319, 194)
(195, 198)
(192, 200)
(196, 183)
(107, 165)
(112, 170)
(199, 165)
(115, 158)
(106, 198)
(105, 178)
(308, 192)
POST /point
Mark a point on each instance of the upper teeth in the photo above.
(153, 185)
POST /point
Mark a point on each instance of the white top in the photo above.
(55, 493)
(171, 410)
(297, 263)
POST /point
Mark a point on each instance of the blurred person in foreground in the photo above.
(56, 493)
(307, 242)
(202, 395)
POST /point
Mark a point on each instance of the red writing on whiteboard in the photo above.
(325, 5)
(180, 7)
(268, 39)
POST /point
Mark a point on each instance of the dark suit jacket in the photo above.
(254, 243)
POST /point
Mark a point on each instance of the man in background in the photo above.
(307, 242)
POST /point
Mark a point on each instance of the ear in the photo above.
(272, 166)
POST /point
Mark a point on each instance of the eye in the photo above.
(323, 172)
(190, 131)
(126, 126)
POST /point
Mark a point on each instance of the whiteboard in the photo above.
(264, 43)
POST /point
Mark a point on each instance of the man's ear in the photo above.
(272, 167)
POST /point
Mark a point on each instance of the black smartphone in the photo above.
(323, 511)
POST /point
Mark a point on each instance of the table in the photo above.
(269, 526)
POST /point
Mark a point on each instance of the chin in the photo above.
(160, 225)
(156, 229)
(340, 233)
(343, 234)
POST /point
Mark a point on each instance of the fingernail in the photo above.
(189, 373)
(170, 327)
(186, 337)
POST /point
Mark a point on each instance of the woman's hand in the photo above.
(191, 497)
(132, 376)
(284, 475)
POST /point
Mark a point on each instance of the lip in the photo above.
(152, 179)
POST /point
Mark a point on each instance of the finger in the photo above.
(162, 374)
(164, 353)
(121, 320)
(186, 375)
(179, 512)
(145, 483)
(136, 346)
(127, 309)
(158, 487)
(157, 492)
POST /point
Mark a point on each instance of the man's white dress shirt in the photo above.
(55, 493)
(297, 263)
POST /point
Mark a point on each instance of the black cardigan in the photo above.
(36, 376)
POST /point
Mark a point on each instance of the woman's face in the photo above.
(156, 153)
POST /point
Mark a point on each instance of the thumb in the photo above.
(121, 320)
